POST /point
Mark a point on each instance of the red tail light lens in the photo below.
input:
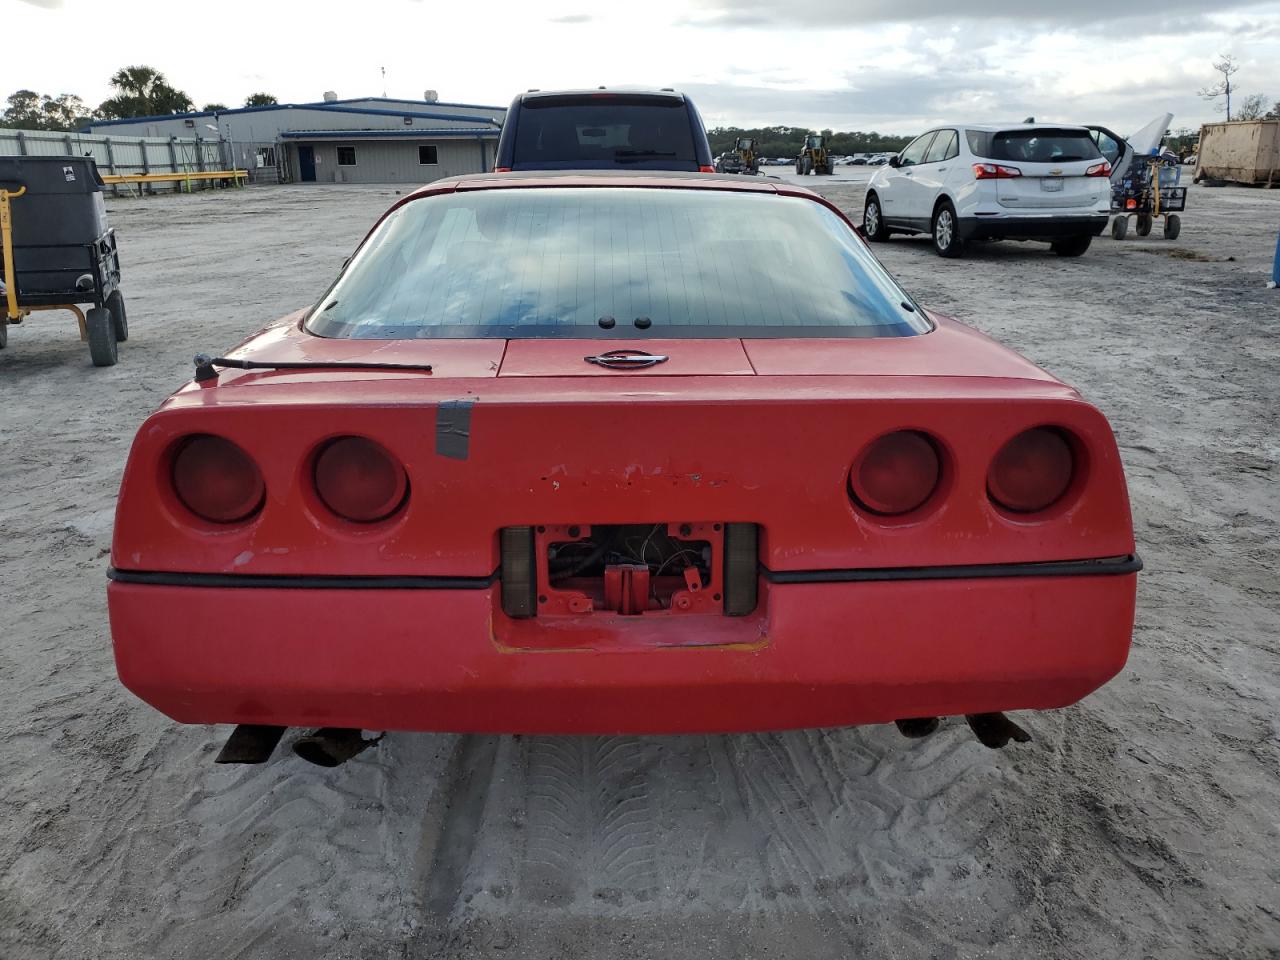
(359, 480)
(1032, 471)
(216, 480)
(705, 169)
(501, 169)
(995, 171)
(896, 473)
(1102, 169)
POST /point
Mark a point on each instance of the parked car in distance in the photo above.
(983, 182)
(498, 479)
(603, 130)
(878, 161)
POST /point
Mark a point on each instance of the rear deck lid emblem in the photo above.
(626, 359)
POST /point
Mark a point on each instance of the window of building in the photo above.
(346, 156)
(427, 154)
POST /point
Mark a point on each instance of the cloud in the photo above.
(573, 18)
(858, 13)
(45, 4)
(901, 102)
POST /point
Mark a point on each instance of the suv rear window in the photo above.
(1041, 145)
(577, 132)
(551, 261)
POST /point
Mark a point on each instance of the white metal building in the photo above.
(368, 140)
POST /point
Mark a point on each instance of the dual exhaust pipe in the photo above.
(993, 730)
(326, 747)
(333, 746)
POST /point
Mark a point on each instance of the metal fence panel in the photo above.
(120, 155)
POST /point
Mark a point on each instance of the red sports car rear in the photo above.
(580, 454)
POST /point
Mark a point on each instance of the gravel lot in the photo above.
(1144, 822)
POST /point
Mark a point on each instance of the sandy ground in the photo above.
(1141, 823)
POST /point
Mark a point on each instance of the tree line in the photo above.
(140, 91)
(787, 141)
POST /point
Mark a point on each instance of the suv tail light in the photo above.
(995, 171)
(896, 473)
(216, 480)
(360, 481)
(705, 169)
(1032, 471)
(1102, 169)
(501, 169)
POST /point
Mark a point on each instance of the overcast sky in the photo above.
(889, 65)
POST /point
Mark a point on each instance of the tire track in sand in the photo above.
(589, 823)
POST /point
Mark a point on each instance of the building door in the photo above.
(307, 164)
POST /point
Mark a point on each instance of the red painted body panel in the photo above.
(726, 431)
(620, 454)
(823, 655)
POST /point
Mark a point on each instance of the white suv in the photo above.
(982, 182)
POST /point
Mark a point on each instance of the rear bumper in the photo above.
(446, 659)
(1051, 227)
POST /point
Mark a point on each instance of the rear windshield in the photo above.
(550, 262)
(636, 133)
(1044, 145)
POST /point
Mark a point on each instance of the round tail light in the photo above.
(1032, 471)
(359, 480)
(216, 480)
(896, 473)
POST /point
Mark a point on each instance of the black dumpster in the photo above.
(63, 252)
(63, 203)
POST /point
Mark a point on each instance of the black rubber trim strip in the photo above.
(1103, 566)
(317, 582)
(1100, 567)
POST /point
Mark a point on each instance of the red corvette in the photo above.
(619, 453)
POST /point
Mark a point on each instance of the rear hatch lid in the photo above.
(1053, 162)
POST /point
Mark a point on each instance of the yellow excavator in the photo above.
(813, 157)
(747, 156)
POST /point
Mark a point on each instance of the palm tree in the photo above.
(143, 92)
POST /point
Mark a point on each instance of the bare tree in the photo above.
(1227, 66)
(1253, 107)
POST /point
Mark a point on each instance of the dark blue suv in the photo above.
(603, 130)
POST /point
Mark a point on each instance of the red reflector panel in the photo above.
(360, 481)
(216, 480)
(896, 473)
(1032, 471)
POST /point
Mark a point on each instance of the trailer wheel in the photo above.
(1172, 226)
(1119, 228)
(1143, 226)
(119, 319)
(102, 337)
